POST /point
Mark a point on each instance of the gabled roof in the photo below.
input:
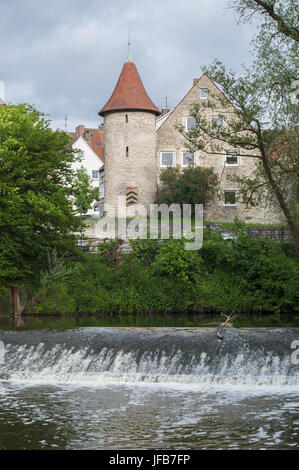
(129, 93)
(96, 142)
(160, 123)
(93, 137)
(76, 144)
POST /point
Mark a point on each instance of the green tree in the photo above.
(36, 190)
(84, 193)
(275, 49)
(190, 185)
(265, 120)
(277, 16)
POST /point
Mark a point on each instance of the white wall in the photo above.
(90, 162)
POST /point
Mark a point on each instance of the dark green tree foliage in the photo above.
(191, 185)
(84, 193)
(36, 181)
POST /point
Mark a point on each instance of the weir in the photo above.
(252, 356)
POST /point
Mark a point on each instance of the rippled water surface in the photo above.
(149, 388)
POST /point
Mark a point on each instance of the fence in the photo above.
(273, 233)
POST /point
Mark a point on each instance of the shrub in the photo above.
(191, 185)
(145, 251)
(176, 262)
(247, 275)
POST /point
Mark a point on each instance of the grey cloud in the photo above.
(65, 57)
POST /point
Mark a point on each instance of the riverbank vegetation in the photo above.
(246, 276)
(38, 186)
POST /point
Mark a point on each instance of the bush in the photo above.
(55, 299)
(247, 275)
(176, 262)
(191, 185)
(145, 251)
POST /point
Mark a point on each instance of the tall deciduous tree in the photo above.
(265, 123)
(276, 16)
(276, 53)
(36, 190)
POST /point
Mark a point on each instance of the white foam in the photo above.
(39, 364)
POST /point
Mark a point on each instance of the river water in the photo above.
(149, 388)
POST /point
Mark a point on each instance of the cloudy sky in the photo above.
(65, 56)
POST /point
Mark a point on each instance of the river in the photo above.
(149, 388)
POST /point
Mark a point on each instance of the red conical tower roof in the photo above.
(129, 93)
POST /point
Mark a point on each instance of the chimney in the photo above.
(195, 80)
(164, 111)
(80, 130)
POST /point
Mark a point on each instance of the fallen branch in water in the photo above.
(226, 324)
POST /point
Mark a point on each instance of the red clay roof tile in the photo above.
(95, 139)
(129, 93)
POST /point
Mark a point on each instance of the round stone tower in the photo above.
(130, 141)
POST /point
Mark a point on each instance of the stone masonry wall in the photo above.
(138, 168)
(170, 139)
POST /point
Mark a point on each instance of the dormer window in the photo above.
(95, 174)
(81, 155)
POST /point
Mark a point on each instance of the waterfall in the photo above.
(251, 357)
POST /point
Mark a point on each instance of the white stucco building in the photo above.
(90, 143)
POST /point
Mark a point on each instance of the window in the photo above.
(127, 151)
(204, 92)
(230, 198)
(191, 123)
(188, 158)
(166, 158)
(81, 155)
(127, 118)
(232, 158)
(217, 122)
(95, 174)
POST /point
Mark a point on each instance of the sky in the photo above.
(65, 57)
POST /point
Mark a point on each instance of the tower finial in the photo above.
(129, 59)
